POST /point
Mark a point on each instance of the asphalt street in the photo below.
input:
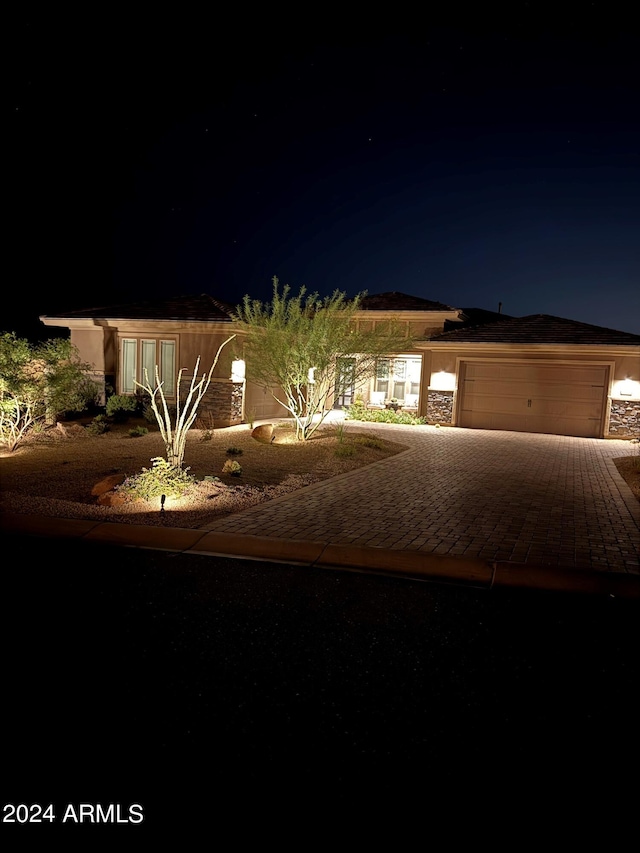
(190, 684)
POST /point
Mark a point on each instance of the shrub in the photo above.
(138, 431)
(344, 450)
(356, 411)
(145, 407)
(121, 406)
(232, 467)
(368, 441)
(160, 479)
(85, 400)
(207, 435)
(98, 425)
(147, 411)
(38, 383)
(383, 416)
(234, 451)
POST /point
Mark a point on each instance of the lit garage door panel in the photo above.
(528, 397)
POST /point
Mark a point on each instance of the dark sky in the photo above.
(471, 158)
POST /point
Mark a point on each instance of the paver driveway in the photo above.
(522, 497)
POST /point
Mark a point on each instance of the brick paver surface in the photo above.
(539, 499)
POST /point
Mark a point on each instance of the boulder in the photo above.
(107, 483)
(263, 433)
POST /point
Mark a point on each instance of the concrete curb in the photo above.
(413, 565)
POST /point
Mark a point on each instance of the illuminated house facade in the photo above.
(465, 367)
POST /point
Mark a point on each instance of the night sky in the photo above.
(472, 158)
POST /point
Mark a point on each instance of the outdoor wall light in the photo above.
(442, 380)
(627, 387)
(238, 370)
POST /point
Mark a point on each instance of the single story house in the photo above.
(464, 367)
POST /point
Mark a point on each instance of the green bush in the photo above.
(160, 479)
(143, 405)
(368, 441)
(359, 412)
(120, 407)
(38, 383)
(232, 467)
(138, 431)
(234, 451)
(147, 412)
(356, 411)
(98, 425)
(344, 450)
(85, 400)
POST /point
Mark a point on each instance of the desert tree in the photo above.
(306, 350)
(39, 382)
(175, 423)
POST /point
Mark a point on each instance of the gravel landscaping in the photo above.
(55, 473)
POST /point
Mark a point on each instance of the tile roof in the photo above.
(394, 301)
(474, 317)
(203, 307)
(538, 329)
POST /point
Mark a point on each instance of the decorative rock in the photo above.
(108, 483)
(263, 433)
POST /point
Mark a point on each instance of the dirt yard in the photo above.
(54, 474)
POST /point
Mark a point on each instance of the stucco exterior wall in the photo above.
(259, 404)
(90, 344)
(205, 345)
(98, 346)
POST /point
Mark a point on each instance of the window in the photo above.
(399, 378)
(382, 376)
(140, 354)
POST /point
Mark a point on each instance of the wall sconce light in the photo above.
(625, 389)
(238, 370)
(443, 380)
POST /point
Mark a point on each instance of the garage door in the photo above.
(532, 397)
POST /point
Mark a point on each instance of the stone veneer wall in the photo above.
(440, 407)
(624, 418)
(223, 401)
